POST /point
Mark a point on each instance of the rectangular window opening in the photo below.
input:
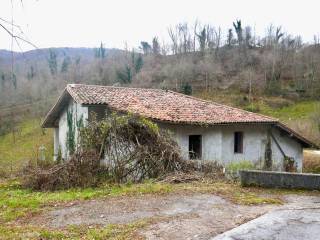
(238, 142)
(195, 146)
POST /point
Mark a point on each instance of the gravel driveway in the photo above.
(182, 216)
(297, 220)
(194, 216)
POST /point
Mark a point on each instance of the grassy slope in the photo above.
(277, 107)
(14, 154)
(300, 110)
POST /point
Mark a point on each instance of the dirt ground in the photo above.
(184, 216)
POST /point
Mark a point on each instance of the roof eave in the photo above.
(48, 121)
(307, 143)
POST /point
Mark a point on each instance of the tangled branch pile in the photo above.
(133, 147)
(117, 149)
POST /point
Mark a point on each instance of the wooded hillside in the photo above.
(197, 58)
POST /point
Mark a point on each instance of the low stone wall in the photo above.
(280, 179)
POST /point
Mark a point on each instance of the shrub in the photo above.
(233, 168)
(186, 88)
(241, 165)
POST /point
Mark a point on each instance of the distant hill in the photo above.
(38, 55)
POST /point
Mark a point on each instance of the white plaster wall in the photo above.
(63, 133)
(55, 143)
(218, 143)
(254, 140)
(211, 139)
(78, 112)
(291, 148)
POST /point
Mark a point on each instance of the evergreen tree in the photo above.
(100, 52)
(230, 38)
(3, 80)
(138, 63)
(186, 88)
(202, 38)
(31, 74)
(65, 64)
(52, 62)
(14, 80)
(146, 48)
(125, 75)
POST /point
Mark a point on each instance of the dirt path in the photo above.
(196, 216)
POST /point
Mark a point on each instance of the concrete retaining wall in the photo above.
(280, 179)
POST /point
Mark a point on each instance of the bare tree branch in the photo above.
(16, 37)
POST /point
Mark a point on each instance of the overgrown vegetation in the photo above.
(133, 147)
(233, 168)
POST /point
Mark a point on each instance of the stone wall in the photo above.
(280, 179)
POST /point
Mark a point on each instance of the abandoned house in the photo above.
(204, 130)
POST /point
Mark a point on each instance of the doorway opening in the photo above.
(195, 146)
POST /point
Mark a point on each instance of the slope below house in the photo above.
(203, 129)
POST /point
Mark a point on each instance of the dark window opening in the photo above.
(97, 112)
(238, 142)
(195, 146)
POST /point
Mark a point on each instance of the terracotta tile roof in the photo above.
(163, 105)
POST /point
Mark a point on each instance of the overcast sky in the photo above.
(86, 23)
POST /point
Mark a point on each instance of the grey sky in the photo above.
(85, 23)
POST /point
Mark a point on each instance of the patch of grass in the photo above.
(16, 153)
(29, 232)
(277, 107)
(295, 111)
(247, 198)
(311, 162)
(111, 231)
(118, 231)
(232, 191)
(239, 165)
(16, 202)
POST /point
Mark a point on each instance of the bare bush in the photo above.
(117, 149)
(82, 170)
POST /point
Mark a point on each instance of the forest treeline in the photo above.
(195, 57)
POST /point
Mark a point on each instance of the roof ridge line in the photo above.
(108, 86)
